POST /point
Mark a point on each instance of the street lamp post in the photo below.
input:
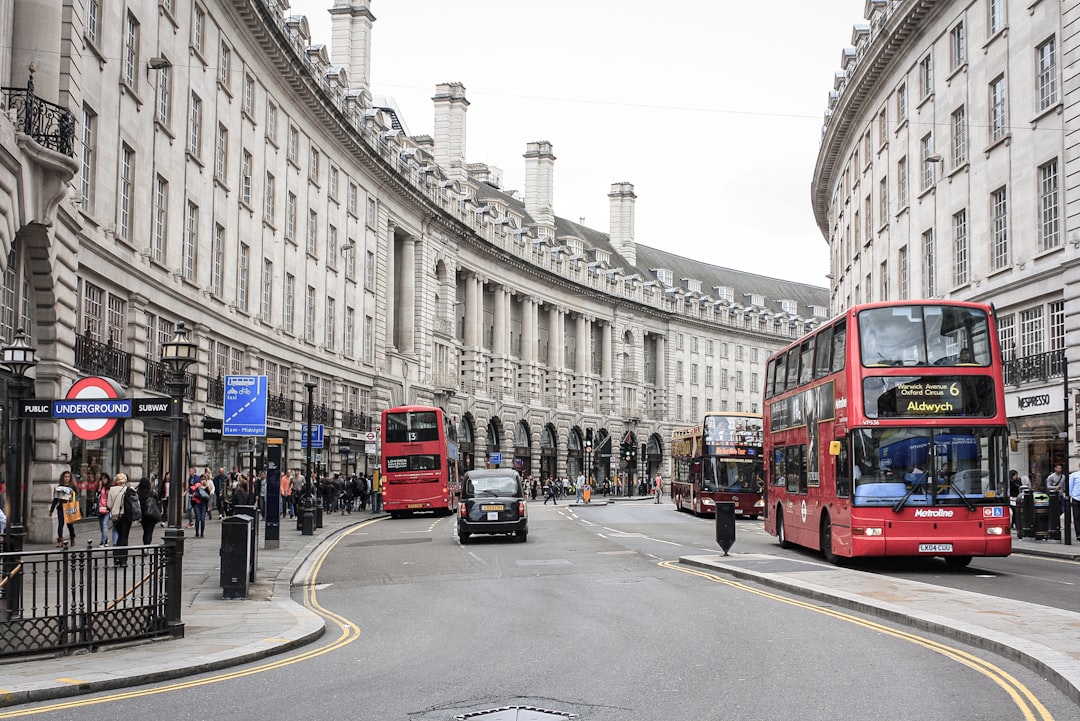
(19, 357)
(307, 513)
(177, 355)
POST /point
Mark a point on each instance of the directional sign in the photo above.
(317, 430)
(245, 406)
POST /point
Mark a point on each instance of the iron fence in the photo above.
(81, 598)
(51, 125)
(1035, 368)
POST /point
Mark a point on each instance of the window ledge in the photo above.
(1049, 251)
(1003, 140)
(128, 90)
(926, 99)
(928, 191)
(221, 184)
(1004, 32)
(164, 128)
(194, 158)
(900, 126)
(958, 169)
(224, 88)
(961, 68)
(1057, 108)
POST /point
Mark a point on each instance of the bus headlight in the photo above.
(995, 530)
(708, 502)
(867, 531)
(760, 503)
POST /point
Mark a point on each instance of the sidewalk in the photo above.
(1041, 638)
(217, 634)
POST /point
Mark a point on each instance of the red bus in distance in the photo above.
(886, 435)
(419, 461)
(720, 461)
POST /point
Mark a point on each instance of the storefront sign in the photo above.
(1034, 402)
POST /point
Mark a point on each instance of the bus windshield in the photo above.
(722, 474)
(411, 427)
(917, 335)
(928, 466)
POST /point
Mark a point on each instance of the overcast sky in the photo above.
(713, 110)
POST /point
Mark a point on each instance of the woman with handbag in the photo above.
(200, 501)
(151, 510)
(66, 499)
(104, 517)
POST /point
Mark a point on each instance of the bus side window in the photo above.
(821, 352)
(792, 368)
(794, 458)
(839, 346)
(806, 361)
(770, 378)
(776, 470)
(843, 471)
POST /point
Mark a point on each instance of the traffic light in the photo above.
(626, 449)
(588, 440)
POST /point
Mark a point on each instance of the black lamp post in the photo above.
(19, 357)
(177, 355)
(307, 513)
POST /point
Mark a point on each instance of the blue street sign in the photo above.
(495, 458)
(316, 435)
(245, 406)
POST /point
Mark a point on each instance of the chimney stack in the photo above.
(540, 186)
(351, 42)
(450, 109)
(621, 231)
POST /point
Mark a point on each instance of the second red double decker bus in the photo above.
(886, 435)
(721, 461)
(419, 461)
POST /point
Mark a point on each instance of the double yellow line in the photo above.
(1031, 708)
(348, 632)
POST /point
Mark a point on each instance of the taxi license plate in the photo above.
(935, 548)
(416, 505)
(492, 507)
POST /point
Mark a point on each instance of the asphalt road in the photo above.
(583, 619)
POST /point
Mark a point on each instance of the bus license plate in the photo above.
(416, 505)
(935, 548)
(492, 507)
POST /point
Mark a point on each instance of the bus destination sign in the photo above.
(928, 396)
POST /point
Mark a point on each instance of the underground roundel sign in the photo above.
(92, 407)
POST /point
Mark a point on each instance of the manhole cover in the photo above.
(515, 713)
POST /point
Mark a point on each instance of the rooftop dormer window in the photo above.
(664, 276)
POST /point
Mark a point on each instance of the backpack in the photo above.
(132, 511)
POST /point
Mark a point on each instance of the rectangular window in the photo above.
(1046, 75)
(249, 96)
(333, 183)
(884, 280)
(313, 234)
(902, 259)
(352, 199)
(868, 210)
(999, 212)
(350, 259)
(269, 201)
(291, 149)
(929, 161)
(86, 158)
(369, 339)
(195, 128)
(1049, 206)
(961, 251)
(331, 246)
(93, 19)
(309, 315)
(164, 96)
(350, 336)
(221, 153)
(127, 192)
(93, 311)
(329, 324)
(245, 178)
(131, 53)
(1007, 337)
(996, 16)
(883, 128)
(191, 242)
(902, 184)
(1056, 311)
(999, 124)
(198, 25)
(287, 301)
(266, 299)
(117, 314)
(290, 216)
(926, 75)
(271, 122)
(313, 165)
(1031, 332)
(957, 46)
(371, 212)
(901, 104)
(883, 199)
(959, 137)
(929, 269)
(369, 271)
(217, 261)
(223, 65)
(161, 219)
(243, 277)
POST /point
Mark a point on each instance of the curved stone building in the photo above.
(212, 163)
(944, 171)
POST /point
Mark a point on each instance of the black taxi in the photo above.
(492, 501)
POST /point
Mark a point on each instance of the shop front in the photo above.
(1037, 432)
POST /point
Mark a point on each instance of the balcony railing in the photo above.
(156, 375)
(279, 406)
(1035, 368)
(102, 359)
(47, 123)
(356, 421)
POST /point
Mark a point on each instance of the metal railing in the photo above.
(102, 359)
(49, 124)
(156, 376)
(356, 421)
(1035, 368)
(71, 599)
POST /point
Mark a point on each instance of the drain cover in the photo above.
(515, 713)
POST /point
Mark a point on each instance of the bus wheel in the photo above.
(395, 514)
(826, 541)
(677, 500)
(957, 561)
(781, 534)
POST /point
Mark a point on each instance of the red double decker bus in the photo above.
(886, 435)
(720, 461)
(419, 461)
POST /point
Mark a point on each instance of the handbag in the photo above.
(72, 512)
(153, 509)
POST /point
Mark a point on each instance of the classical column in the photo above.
(391, 289)
(607, 380)
(499, 336)
(407, 308)
(528, 330)
(470, 311)
(554, 359)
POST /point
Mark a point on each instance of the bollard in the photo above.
(1027, 513)
(307, 521)
(725, 525)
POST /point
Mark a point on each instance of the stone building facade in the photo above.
(224, 169)
(947, 169)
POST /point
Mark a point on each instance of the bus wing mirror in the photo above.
(834, 448)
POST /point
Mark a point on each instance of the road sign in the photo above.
(317, 430)
(245, 406)
(370, 437)
(495, 458)
(92, 407)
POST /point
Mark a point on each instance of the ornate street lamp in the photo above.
(177, 355)
(19, 358)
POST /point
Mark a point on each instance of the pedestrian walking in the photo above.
(551, 493)
(580, 484)
(658, 487)
(150, 507)
(65, 503)
(121, 506)
(1074, 500)
(199, 494)
(101, 498)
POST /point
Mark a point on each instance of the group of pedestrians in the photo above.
(1066, 486)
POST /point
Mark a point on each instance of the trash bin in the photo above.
(253, 513)
(1042, 515)
(235, 554)
(1053, 513)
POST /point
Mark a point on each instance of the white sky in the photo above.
(711, 108)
